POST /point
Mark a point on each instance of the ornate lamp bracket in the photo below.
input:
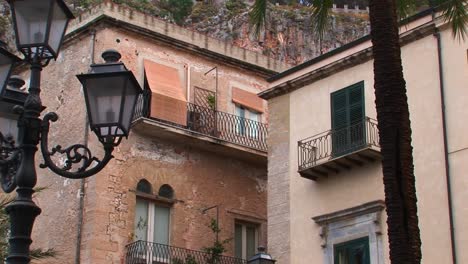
(78, 161)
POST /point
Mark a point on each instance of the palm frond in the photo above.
(257, 16)
(455, 12)
(5, 199)
(405, 8)
(320, 15)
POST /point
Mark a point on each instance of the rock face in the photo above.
(289, 34)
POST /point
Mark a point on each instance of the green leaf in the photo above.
(455, 12)
(257, 16)
(320, 15)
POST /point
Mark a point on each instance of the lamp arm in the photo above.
(75, 154)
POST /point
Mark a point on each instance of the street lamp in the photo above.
(12, 97)
(7, 61)
(40, 26)
(110, 94)
(261, 257)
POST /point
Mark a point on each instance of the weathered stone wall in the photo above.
(200, 178)
(278, 180)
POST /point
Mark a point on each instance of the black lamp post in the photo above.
(110, 92)
(261, 257)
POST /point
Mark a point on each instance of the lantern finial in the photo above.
(111, 56)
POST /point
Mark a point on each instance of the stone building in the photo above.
(325, 189)
(197, 150)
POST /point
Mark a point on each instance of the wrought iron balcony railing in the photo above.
(333, 144)
(221, 125)
(141, 252)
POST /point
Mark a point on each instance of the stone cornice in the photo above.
(370, 207)
(173, 35)
(342, 64)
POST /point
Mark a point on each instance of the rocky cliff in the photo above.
(288, 35)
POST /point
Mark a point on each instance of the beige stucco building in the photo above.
(197, 147)
(325, 189)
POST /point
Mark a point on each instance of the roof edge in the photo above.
(174, 35)
(343, 48)
(342, 64)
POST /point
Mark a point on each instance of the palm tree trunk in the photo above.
(395, 135)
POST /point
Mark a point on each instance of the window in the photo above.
(246, 240)
(353, 235)
(352, 252)
(348, 126)
(248, 122)
(166, 191)
(151, 219)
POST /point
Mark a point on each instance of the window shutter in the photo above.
(238, 240)
(161, 225)
(141, 220)
(339, 121)
(347, 119)
(356, 103)
(339, 110)
(251, 239)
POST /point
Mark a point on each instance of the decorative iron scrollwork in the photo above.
(9, 162)
(77, 154)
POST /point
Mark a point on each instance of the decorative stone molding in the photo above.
(352, 223)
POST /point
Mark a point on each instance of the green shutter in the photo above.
(347, 119)
(352, 252)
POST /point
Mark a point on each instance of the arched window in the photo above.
(144, 186)
(151, 217)
(166, 191)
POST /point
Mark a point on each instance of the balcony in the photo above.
(339, 150)
(214, 124)
(141, 252)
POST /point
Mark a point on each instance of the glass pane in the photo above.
(141, 220)
(240, 127)
(131, 93)
(31, 17)
(238, 240)
(111, 130)
(343, 257)
(251, 241)
(253, 127)
(104, 95)
(161, 225)
(353, 252)
(144, 186)
(59, 21)
(4, 69)
(9, 126)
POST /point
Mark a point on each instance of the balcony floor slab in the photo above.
(335, 165)
(179, 135)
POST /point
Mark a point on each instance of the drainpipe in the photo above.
(188, 83)
(446, 153)
(82, 181)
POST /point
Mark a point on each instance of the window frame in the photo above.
(244, 113)
(353, 223)
(152, 204)
(245, 225)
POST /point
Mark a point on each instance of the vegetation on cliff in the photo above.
(289, 35)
